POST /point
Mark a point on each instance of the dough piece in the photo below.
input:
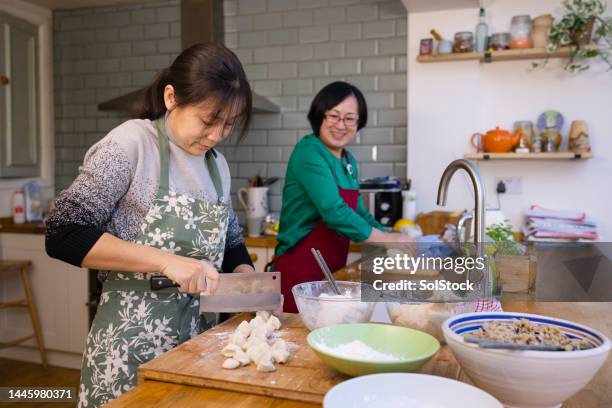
(244, 328)
(254, 338)
(279, 344)
(274, 322)
(256, 322)
(266, 365)
(230, 349)
(263, 331)
(279, 351)
(280, 355)
(230, 364)
(259, 352)
(265, 315)
(238, 338)
(242, 358)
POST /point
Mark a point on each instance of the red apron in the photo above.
(298, 265)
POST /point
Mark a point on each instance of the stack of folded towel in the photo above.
(563, 226)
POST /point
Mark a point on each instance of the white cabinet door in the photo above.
(19, 129)
(262, 257)
(59, 291)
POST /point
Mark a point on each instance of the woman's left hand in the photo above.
(243, 268)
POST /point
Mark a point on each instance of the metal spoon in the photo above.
(325, 270)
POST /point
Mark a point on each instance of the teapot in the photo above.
(497, 140)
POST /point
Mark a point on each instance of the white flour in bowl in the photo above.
(359, 350)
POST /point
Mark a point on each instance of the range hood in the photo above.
(201, 22)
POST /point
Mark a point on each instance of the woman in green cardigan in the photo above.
(322, 207)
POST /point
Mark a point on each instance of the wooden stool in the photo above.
(6, 266)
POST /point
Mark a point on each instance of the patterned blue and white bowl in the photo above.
(527, 379)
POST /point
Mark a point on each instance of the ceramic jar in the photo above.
(541, 30)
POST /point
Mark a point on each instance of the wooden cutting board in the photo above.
(198, 362)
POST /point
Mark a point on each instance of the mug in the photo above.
(478, 143)
(254, 200)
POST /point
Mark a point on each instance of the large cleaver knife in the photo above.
(244, 292)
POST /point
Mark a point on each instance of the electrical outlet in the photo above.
(514, 185)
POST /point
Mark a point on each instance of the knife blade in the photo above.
(244, 292)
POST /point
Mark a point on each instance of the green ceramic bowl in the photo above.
(414, 348)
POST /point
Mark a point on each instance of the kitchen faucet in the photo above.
(479, 213)
(472, 171)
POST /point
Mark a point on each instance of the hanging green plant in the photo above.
(585, 30)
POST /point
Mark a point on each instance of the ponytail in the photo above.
(154, 105)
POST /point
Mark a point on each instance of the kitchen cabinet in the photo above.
(19, 134)
(60, 297)
(260, 257)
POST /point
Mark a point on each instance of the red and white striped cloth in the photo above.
(481, 305)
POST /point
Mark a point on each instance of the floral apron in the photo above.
(134, 324)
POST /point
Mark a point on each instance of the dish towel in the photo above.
(481, 305)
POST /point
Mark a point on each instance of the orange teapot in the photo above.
(497, 141)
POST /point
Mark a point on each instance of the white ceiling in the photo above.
(71, 4)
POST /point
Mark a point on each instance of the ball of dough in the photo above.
(266, 365)
(264, 314)
(256, 322)
(230, 349)
(279, 344)
(238, 339)
(263, 331)
(230, 364)
(244, 328)
(242, 358)
(274, 323)
(259, 352)
(280, 355)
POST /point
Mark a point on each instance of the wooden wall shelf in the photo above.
(529, 156)
(494, 56)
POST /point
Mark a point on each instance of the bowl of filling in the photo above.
(319, 306)
(526, 378)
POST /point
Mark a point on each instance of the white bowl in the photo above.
(526, 379)
(399, 390)
(319, 307)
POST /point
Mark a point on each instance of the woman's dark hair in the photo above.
(330, 96)
(204, 72)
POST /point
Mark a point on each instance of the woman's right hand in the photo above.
(191, 275)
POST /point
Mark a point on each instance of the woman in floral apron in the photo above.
(153, 198)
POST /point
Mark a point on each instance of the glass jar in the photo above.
(520, 31)
(464, 42)
(500, 41)
(526, 127)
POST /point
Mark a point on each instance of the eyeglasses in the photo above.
(349, 121)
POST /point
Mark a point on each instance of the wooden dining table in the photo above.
(177, 378)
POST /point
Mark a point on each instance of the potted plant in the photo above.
(585, 30)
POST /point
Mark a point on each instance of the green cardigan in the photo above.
(311, 194)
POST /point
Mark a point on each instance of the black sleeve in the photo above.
(71, 243)
(234, 256)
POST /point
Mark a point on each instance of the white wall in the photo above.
(448, 102)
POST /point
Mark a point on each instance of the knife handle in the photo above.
(161, 282)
